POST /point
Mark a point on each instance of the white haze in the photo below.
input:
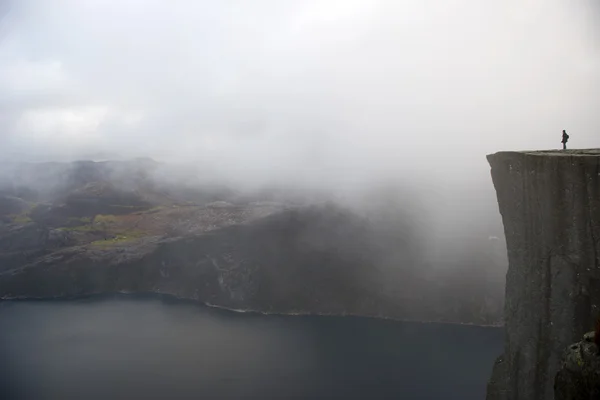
(335, 94)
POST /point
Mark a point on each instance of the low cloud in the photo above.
(334, 94)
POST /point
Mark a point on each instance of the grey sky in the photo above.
(308, 89)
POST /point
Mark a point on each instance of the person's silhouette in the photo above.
(565, 139)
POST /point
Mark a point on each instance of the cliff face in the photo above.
(550, 207)
(316, 259)
(282, 263)
(85, 228)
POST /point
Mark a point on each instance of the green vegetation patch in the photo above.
(79, 221)
(21, 218)
(152, 210)
(121, 238)
(128, 207)
(25, 216)
(105, 219)
(79, 228)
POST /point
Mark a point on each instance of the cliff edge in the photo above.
(550, 207)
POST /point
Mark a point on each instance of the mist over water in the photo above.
(120, 348)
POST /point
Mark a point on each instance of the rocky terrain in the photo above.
(550, 206)
(579, 375)
(101, 227)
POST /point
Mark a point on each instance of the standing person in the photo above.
(565, 139)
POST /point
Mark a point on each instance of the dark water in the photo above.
(124, 348)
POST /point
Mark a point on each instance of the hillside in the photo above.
(87, 228)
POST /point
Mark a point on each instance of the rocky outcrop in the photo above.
(579, 374)
(550, 207)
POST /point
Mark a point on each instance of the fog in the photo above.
(342, 95)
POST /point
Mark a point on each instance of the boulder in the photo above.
(579, 375)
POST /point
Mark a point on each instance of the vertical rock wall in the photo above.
(550, 207)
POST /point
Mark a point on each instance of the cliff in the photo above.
(550, 207)
(84, 228)
(319, 259)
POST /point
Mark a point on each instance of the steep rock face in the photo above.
(550, 207)
(315, 259)
(310, 260)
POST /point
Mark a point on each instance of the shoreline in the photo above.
(173, 298)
